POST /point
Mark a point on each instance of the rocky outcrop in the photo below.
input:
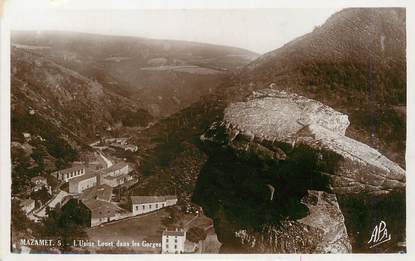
(272, 124)
(322, 231)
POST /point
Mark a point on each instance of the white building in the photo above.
(70, 173)
(81, 183)
(144, 204)
(116, 174)
(101, 211)
(98, 211)
(116, 170)
(172, 242)
(123, 141)
(114, 181)
(27, 136)
(130, 147)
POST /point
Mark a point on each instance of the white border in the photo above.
(200, 4)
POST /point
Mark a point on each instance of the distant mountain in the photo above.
(69, 88)
(356, 63)
(163, 76)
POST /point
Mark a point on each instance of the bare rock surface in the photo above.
(322, 231)
(271, 123)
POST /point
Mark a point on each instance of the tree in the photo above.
(42, 195)
(196, 234)
(19, 221)
(52, 181)
(66, 223)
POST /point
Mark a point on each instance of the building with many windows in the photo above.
(144, 204)
(70, 173)
(172, 242)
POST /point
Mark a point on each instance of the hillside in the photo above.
(67, 87)
(355, 63)
(55, 111)
(330, 65)
(163, 76)
(285, 68)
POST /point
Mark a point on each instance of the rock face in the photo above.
(322, 231)
(271, 124)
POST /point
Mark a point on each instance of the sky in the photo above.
(258, 30)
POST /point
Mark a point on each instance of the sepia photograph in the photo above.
(207, 131)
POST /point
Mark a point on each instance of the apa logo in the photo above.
(379, 235)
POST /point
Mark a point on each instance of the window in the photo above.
(150, 206)
(144, 206)
(167, 240)
(167, 246)
(175, 241)
(162, 205)
(175, 246)
(157, 205)
(136, 207)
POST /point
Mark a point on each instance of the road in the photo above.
(52, 203)
(190, 221)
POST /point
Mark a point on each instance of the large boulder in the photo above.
(321, 231)
(270, 124)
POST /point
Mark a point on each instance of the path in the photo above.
(51, 204)
(190, 221)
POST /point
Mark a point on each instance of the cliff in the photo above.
(265, 157)
(273, 123)
(321, 232)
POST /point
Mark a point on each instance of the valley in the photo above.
(306, 141)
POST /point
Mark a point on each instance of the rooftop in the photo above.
(101, 208)
(114, 167)
(101, 192)
(173, 233)
(89, 174)
(120, 138)
(64, 171)
(117, 177)
(124, 146)
(150, 199)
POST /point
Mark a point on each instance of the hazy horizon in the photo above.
(257, 30)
